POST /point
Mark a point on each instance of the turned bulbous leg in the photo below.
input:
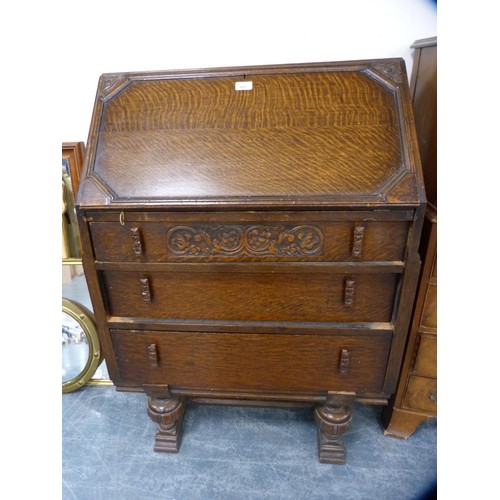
(168, 413)
(333, 420)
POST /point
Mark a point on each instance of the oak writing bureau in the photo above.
(250, 237)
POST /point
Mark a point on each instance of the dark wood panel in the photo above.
(252, 361)
(424, 90)
(252, 297)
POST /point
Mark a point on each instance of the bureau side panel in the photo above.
(97, 299)
(405, 302)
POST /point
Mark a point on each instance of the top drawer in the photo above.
(319, 237)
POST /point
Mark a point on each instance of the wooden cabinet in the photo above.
(416, 397)
(250, 237)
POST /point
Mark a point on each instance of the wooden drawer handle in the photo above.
(349, 293)
(357, 240)
(433, 396)
(145, 290)
(153, 355)
(345, 357)
(136, 240)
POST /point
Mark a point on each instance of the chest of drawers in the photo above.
(416, 397)
(250, 237)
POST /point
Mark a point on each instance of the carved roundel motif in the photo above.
(233, 240)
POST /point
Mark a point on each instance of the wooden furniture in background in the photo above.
(73, 154)
(416, 397)
(250, 236)
(72, 164)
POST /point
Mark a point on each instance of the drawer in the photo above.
(421, 394)
(426, 359)
(429, 313)
(235, 361)
(321, 241)
(202, 293)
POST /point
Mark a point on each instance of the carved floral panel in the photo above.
(235, 240)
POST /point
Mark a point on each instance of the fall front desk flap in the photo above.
(322, 134)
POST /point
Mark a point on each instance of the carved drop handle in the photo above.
(136, 240)
(357, 241)
(145, 290)
(345, 358)
(153, 355)
(349, 293)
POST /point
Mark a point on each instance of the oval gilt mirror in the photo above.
(81, 352)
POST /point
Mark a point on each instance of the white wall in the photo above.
(108, 36)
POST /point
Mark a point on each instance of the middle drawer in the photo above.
(278, 295)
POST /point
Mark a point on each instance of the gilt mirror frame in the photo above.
(86, 321)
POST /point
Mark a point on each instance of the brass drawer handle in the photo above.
(153, 355)
(136, 240)
(145, 290)
(357, 242)
(433, 396)
(345, 358)
(349, 293)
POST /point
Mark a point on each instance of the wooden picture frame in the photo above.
(73, 154)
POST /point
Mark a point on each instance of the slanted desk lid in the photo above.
(322, 134)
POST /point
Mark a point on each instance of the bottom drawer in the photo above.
(421, 394)
(237, 361)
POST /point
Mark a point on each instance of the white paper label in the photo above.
(243, 85)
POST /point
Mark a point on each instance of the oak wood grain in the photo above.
(302, 136)
(382, 241)
(252, 296)
(252, 361)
